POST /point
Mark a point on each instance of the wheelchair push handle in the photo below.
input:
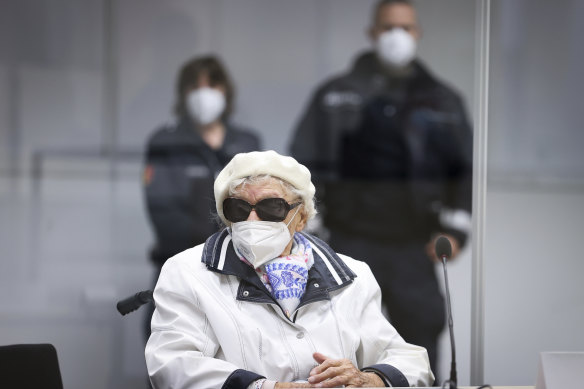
(130, 304)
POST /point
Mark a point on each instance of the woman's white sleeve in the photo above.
(181, 350)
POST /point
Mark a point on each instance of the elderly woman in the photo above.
(263, 305)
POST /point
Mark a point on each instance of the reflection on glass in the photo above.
(82, 86)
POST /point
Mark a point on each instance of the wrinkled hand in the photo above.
(333, 373)
(431, 245)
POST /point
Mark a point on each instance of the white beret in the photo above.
(270, 163)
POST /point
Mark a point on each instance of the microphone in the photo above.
(134, 302)
(444, 252)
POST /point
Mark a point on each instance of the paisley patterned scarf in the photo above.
(285, 277)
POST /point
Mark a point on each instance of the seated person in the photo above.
(263, 305)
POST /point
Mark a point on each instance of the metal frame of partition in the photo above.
(479, 190)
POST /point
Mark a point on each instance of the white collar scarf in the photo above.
(286, 277)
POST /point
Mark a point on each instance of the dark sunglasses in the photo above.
(270, 210)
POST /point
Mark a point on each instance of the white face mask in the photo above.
(260, 241)
(205, 105)
(396, 47)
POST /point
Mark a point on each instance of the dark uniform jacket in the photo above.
(390, 154)
(178, 184)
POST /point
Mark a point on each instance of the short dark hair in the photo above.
(188, 78)
(382, 3)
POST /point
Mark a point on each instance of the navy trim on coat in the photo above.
(391, 374)
(328, 273)
(240, 379)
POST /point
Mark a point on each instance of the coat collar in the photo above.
(328, 273)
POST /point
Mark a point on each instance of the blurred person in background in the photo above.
(390, 147)
(183, 158)
(262, 305)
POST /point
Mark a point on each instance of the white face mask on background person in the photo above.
(396, 47)
(205, 105)
(261, 241)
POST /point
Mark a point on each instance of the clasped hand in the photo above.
(335, 373)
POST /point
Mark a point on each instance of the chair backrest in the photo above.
(24, 366)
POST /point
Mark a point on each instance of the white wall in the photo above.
(536, 91)
(533, 279)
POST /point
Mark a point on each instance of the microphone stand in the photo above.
(453, 379)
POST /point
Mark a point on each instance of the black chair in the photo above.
(29, 366)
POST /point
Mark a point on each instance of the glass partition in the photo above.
(535, 192)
